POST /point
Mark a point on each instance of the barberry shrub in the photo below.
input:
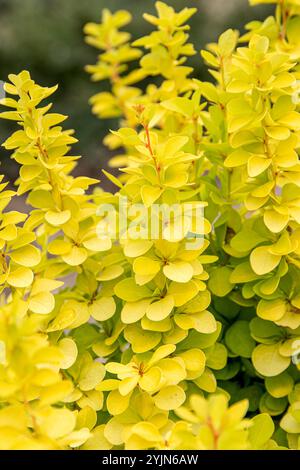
(126, 340)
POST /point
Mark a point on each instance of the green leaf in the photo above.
(261, 430)
(219, 282)
(216, 356)
(239, 340)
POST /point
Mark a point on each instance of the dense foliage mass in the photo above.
(149, 343)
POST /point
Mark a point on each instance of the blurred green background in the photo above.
(45, 37)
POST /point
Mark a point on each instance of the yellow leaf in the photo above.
(56, 392)
(170, 398)
(97, 441)
(59, 247)
(135, 248)
(146, 431)
(21, 277)
(97, 244)
(150, 194)
(42, 303)
(262, 261)
(102, 309)
(91, 375)
(69, 349)
(182, 293)
(134, 311)
(75, 256)
(275, 221)
(27, 256)
(161, 309)
(161, 353)
(268, 361)
(178, 271)
(146, 266)
(128, 384)
(117, 403)
(151, 380)
(257, 165)
(56, 422)
(86, 418)
(57, 218)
